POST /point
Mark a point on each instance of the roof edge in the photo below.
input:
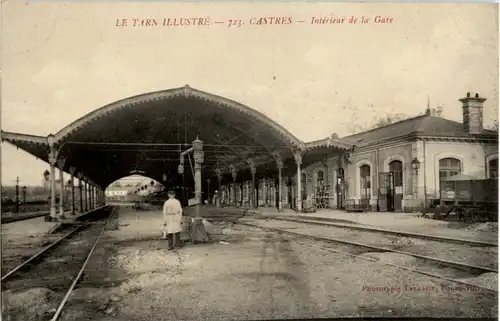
(185, 91)
(20, 137)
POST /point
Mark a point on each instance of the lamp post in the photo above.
(198, 156)
(17, 195)
(180, 170)
(415, 164)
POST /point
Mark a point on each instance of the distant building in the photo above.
(116, 193)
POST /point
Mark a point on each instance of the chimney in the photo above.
(472, 108)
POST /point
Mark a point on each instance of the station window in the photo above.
(449, 167)
(320, 178)
(365, 181)
(304, 186)
(493, 168)
(396, 167)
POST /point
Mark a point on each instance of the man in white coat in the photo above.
(172, 216)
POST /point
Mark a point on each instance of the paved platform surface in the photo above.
(143, 225)
(24, 231)
(405, 222)
(30, 231)
(247, 274)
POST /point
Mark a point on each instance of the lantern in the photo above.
(340, 173)
(164, 177)
(46, 175)
(348, 157)
(415, 164)
(198, 151)
(180, 169)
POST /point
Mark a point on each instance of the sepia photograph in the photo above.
(249, 160)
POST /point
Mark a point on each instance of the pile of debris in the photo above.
(33, 304)
(487, 280)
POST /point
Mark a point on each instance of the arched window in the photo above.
(396, 168)
(449, 167)
(365, 181)
(320, 178)
(493, 168)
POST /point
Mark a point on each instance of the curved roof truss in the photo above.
(147, 133)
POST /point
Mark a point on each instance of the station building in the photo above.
(397, 167)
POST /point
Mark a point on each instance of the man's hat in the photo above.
(171, 192)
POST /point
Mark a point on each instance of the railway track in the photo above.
(60, 265)
(465, 253)
(385, 231)
(354, 226)
(427, 265)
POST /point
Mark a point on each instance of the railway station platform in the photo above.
(31, 231)
(404, 222)
(148, 224)
(26, 231)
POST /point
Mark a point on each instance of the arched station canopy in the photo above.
(146, 133)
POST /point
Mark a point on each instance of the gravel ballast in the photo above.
(252, 274)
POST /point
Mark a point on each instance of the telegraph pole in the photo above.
(17, 195)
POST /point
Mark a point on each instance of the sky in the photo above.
(61, 61)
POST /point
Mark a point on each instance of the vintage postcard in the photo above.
(249, 160)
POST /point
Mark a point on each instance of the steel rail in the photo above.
(45, 249)
(404, 268)
(331, 240)
(80, 272)
(378, 248)
(394, 232)
(42, 251)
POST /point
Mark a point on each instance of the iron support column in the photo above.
(85, 195)
(253, 170)
(89, 206)
(72, 172)
(80, 191)
(298, 161)
(279, 164)
(234, 174)
(91, 197)
(60, 163)
(53, 160)
(280, 188)
(219, 194)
